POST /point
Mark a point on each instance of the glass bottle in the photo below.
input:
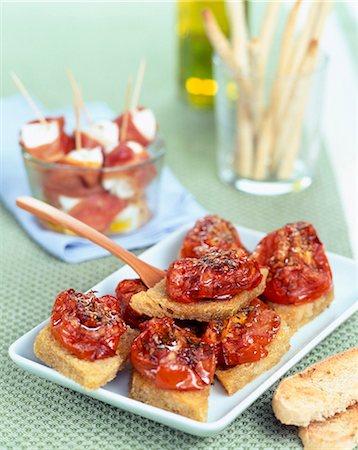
(195, 51)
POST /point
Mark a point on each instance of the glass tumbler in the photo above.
(113, 200)
(268, 130)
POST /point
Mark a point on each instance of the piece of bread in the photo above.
(192, 404)
(298, 315)
(89, 374)
(320, 391)
(155, 302)
(339, 432)
(237, 377)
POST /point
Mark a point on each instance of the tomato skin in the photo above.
(299, 271)
(87, 326)
(171, 357)
(244, 337)
(216, 275)
(124, 291)
(122, 156)
(210, 232)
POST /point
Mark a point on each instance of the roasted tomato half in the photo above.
(171, 357)
(216, 275)
(210, 232)
(89, 327)
(124, 291)
(244, 337)
(299, 271)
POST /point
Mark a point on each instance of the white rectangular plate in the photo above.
(222, 408)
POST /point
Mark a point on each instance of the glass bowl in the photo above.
(113, 200)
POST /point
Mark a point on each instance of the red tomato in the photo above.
(171, 357)
(299, 271)
(123, 156)
(120, 155)
(244, 337)
(216, 275)
(210, 232)
(89, 327)
(99, 210)
(124, 291)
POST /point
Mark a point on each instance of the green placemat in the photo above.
(102, 43)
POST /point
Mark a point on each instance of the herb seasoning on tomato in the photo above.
(171, 357)
(216, 275)
(244, 337)
(210, 233)
(124, 292)
(299, 271)
(89, 327)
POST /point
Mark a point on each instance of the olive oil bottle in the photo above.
(195, 52)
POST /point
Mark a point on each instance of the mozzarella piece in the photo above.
(106, 132)
(120, 186)
(67, 203)
(144, 121)
(136, 147)
(130, 218)
(36, 134)
(87, 157)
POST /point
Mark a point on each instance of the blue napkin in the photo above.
(176, 205)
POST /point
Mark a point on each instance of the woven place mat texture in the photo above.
(38, 414)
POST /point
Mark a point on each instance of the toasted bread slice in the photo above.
(155, 302)
(320, 391)
(89, 374)
(298, 315)
(237, 377)
(339, 432)
(192, 404)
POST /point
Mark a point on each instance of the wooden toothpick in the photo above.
(77, 89)
(27, 96)
(124, 126)
(138, 85)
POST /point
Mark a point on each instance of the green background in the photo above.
(103, 43)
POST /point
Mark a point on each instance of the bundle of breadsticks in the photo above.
(269, 118)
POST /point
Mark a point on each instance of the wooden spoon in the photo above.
(149, 275)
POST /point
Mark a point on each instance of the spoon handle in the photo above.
(150, 275)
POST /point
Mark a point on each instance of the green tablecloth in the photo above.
(103, 44)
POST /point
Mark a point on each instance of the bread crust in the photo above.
(298, 315)
(320, 391)
(192, 404)
(155, 302)
(89, 374)
(340, 432)
(237, 377)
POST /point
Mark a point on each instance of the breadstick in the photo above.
(244, 142)
(220, 42)
(265, 145)
(240, 34)
(290, 136)
(268, 29)
(297, 58)
(258, 80)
